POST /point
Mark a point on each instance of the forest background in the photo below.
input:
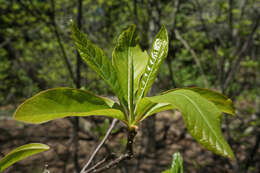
(212, 44)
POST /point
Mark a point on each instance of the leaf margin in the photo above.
(97, 112)
(5, 161)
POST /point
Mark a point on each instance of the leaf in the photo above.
(201, 118)
(158, 54)
(221, 101)
(123, 63)
(146, 108)
(62, 102)
(97, 60)
(177, 164)
(140, 59)
(21, 153)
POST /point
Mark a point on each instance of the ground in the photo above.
(171, 136)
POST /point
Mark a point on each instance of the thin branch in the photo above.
(194, 55)
(5, 42)
(79, 62)
(252, 153)
(230, 20)
(78, 85)
(240, 55)
(242, 8)
(172, 51)
(127, 155)
(57, 34)
(111, 164)
(204, 26)
(97, 165)
(75, 140)
(100, 145)
(135, 12)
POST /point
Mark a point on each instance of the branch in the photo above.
(202, 19)
(252, 153)
(135, 12)
(56, 32)
(172, 51)
(79, 62)
(100, 145)
(127, 155)
(75, 140)
(194, 55)
(109, 165)
(242, 8)
(97, 165)
(240, 53)
(230, 20)
(77, 82)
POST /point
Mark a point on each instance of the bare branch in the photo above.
(111, 164)
(127, 155)
(57, 34)
(100, 145)
(194, 55)
(240, 54)
(230, 20)
(98, 164)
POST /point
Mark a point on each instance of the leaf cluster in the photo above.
(130, 75)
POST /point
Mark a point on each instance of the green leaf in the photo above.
(201, 118)
(221, 101)
(21, 153)
(140, 59)
(123, 63)
(62, 102)
(146, 108)
(158, 54)
(97, 60)
(177, 164)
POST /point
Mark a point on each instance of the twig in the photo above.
(57, 34)
(172, 51)
(252, 153)
(127, 155)
(97, 165)
(5, 42)
(75, 140)
(194, 55)
(240, 55)
(100, 145)
(112, 163)
(79, 62)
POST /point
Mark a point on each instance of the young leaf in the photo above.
(21, 153)
(146, 108)
(62, 102)
(177, 164)
(123, 63)
(201, 118)
(221, 101)
(140, 59)
(158, 54)
(97, 60)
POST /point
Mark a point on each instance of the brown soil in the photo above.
(171, 136)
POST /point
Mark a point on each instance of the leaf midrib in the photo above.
(74, 112)
(130, 81)
(99, 66)
(155, 61)
(202, 115)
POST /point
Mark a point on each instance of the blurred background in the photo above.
(212, 44)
